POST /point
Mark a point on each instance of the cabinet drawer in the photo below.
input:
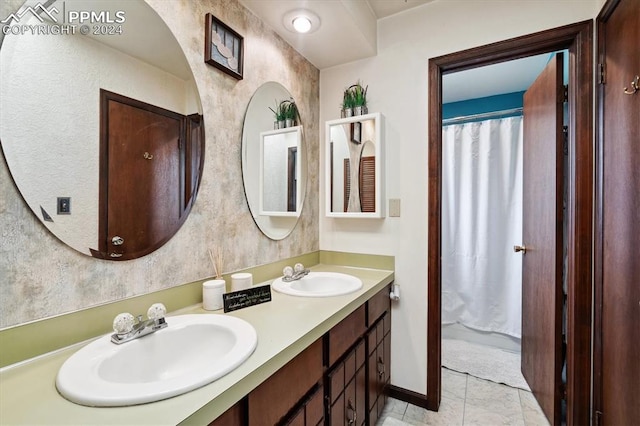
(378, 305)
(273, 399)
(310, 413)
(314, 408)
(345, 333)
(234, 416)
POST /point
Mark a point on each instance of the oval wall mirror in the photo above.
(101, 124)
(274, 164)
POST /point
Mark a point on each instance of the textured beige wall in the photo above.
(42, 277)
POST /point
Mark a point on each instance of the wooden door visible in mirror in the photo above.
(150, 165)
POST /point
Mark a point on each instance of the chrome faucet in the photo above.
(295, 273)
(126, 328)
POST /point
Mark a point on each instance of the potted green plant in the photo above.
(280, 114)
(347, 104)
(359, 94)
(291, 113)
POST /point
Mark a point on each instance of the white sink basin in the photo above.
(319, 284)
(192, 351)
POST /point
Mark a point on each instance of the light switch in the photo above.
(394, 207)
(64, 205)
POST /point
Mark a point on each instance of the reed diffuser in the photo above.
(212, 290)
(217, 260)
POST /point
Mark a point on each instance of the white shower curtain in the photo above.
(481, 222)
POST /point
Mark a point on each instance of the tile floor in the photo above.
(467, 400)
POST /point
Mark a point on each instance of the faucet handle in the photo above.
(287, 272)
(123, 323)
(298, 267)
(156, 311)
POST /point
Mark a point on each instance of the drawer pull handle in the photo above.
(381, 367)
(350, 407)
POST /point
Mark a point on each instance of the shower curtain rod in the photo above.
(455, 120)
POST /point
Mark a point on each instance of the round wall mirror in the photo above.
(274, 163)
(101, 124)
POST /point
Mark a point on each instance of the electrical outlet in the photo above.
(64, 205)
(394, 207)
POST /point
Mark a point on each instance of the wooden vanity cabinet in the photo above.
(356, 382)
(339, 380)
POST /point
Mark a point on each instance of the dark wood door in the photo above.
(144, 183)
(617, 348)
(542, 237)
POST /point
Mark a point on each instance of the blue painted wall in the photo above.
(482, 105)
(494, 103)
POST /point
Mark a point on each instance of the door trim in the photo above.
(578, 39)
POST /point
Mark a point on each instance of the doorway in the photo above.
(577, 38)
(481, 220)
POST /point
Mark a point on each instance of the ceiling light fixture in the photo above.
(301, 21)
(301, 24)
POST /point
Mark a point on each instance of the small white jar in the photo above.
(241, 281)
(212, 291)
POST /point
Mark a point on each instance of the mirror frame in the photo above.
(379, 213)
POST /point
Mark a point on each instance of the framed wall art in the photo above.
(356, 132)
(223, 47)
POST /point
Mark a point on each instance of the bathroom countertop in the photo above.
(285, 327)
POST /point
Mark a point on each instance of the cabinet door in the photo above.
(378, 365)
(337, 414)
(385, 375)
(347, 391)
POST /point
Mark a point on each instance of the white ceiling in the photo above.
(353, 20)
(348, 32)
(384, 8)
(157, 46)
(348, 28)
(496, 79)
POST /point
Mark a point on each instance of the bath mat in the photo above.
(484, 362)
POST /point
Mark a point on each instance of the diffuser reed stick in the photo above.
(217, 261)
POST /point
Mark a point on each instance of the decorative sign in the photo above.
(245, 298)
